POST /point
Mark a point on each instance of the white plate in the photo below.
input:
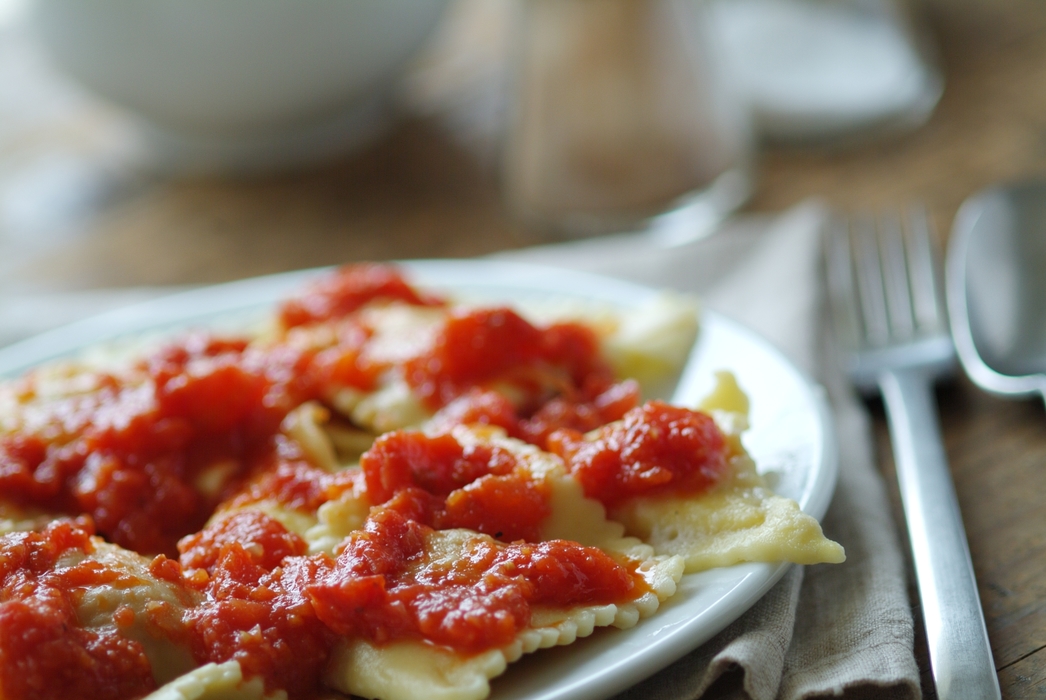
(790, 438)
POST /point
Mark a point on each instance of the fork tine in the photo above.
(924, 271)
(871, 291)
(842, 287)
(895, 269)
(883, 279)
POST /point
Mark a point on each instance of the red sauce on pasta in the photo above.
(150, 455)
(447, 485)
(256, 609)
(45, 653)
(656, 448)
(346, 290)
(383, 588)
(133, 454)
(278, 612)
(582, 412)
(484, 347)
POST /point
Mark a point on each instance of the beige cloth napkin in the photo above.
(843, 630)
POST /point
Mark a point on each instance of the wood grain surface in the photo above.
(416, 193)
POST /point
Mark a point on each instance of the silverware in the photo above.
(997, 288)
(887, 309)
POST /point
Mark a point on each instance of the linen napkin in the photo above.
(828, 630)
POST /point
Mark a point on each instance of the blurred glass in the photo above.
(819, 71)
(619, 114)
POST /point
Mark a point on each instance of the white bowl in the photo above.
(240, 82)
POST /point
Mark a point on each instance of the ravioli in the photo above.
(215, 682)
(400, 669)
(386, 494)
(409, 669)
(738, 520)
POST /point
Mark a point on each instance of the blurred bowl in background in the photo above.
(240, 84)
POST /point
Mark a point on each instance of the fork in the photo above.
(886, 303)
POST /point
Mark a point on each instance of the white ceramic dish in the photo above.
(790, 438)
(829, 72)
(240, 84)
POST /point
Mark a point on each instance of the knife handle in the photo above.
(960, 654)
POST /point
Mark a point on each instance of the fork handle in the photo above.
(960, 655)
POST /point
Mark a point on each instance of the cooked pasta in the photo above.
(385, 493)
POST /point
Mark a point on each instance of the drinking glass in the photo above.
(619, 114)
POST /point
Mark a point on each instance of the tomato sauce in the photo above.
(656, 448)
(134, 455)
(256, 610)
(483, 347)
(580, 413)
(134, 452)
(346, 290)
(287, 477)
(446, 485)
(131, 453)
(279, 612)
(438, 464)
(383, 588)
(44, 653)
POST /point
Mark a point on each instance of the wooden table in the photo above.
(416, 193)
